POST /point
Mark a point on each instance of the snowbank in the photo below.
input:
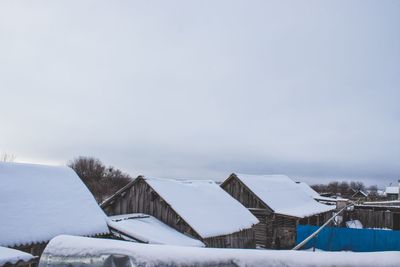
(39, 202)
(205, 206)
(12, 256)
(355, 224)
(79, 249)
(283, 195)
(147, 229)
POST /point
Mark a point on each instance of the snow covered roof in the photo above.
(392, 190)
(38, 202)
(308, 189)
(147, 229)
(283, 195)
(13, 256)
(314, 194)
(78, 251)
(359, 192)
(206, 207)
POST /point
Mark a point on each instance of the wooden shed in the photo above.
(392, 193)
(279, 204)
(39, 202)
(200, 209)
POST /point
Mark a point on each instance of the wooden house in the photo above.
(39, 202)
(200, 209)
(392, 193)
(358, 195)
(279, 204)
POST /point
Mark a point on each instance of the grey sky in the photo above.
(199, 89)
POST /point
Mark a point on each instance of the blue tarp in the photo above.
(360, 240)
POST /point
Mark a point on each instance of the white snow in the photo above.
(354, 224)
(388, 202)
(308, 189)
(283, 195)
(39, 202)
(148, 229)
(12, 256)
(206, 207)
(162, 255)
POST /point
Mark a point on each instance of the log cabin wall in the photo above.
(141, 198)
(241, 239)
(260, 229)
(282, 232)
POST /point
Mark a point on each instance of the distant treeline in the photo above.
(101, 180)
(345, 188)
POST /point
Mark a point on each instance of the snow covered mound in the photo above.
(39, 202)
(81, 249)
(283, 195)
(13, 256)
(204, 205)
(147, 229)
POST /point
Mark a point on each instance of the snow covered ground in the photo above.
(82, 248)
(12, 256)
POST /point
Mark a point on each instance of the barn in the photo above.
(197, 208)
(39, 202)
(279, 204)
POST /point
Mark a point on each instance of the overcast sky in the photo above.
(200, 89)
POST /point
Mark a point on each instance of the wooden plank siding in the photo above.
(274, 230)
(140, 197)
(375, 217)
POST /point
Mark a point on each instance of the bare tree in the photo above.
(333, 187)
(102, 181)
(5, 157)
(344, 188)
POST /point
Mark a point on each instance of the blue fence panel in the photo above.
(360, 240)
